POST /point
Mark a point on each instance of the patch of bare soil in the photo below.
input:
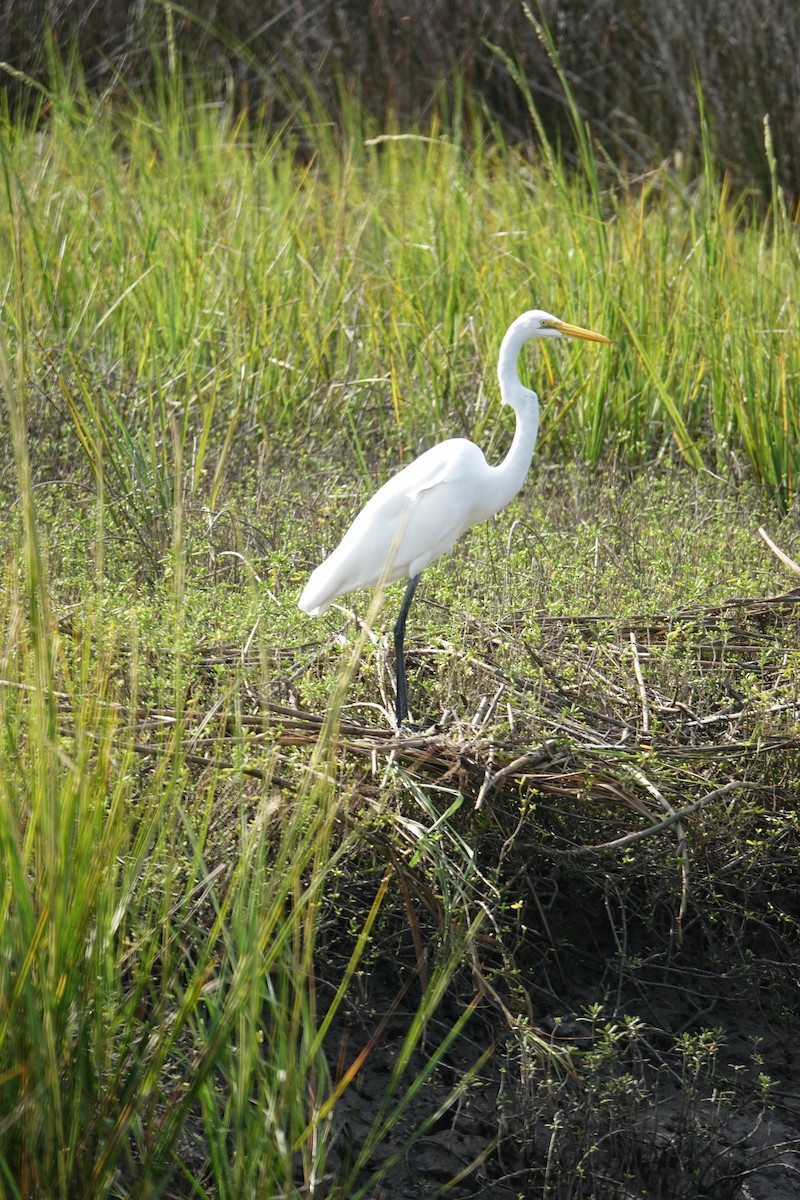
(679, 1082)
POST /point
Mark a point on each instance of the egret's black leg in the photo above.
(400, 662)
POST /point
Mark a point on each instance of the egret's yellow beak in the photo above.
(576, 331)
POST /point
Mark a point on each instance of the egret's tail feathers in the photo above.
(307, 607)
(310, 601)
(321, 590)
(358, 561)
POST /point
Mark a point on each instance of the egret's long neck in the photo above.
(512, 470)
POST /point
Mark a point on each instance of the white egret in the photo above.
(419, 514)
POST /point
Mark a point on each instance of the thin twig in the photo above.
(637, 669)
(683, 846)
(639, 834)
(531, 759)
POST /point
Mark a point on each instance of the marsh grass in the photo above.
(215, 282)
(214, 342)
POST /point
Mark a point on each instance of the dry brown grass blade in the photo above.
(776, 550)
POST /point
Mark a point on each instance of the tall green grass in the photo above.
(189, 273)
(163, 1017)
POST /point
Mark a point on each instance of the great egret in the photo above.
(419, 514)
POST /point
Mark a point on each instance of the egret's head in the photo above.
(533, 324)
(538, 324)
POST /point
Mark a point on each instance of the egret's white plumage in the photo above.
(414, 518)
(422, 511)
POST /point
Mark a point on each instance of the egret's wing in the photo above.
(414, 518)
(419, 513)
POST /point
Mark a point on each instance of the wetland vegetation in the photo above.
(251, 942)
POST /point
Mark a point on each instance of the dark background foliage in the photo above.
(633, 64)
